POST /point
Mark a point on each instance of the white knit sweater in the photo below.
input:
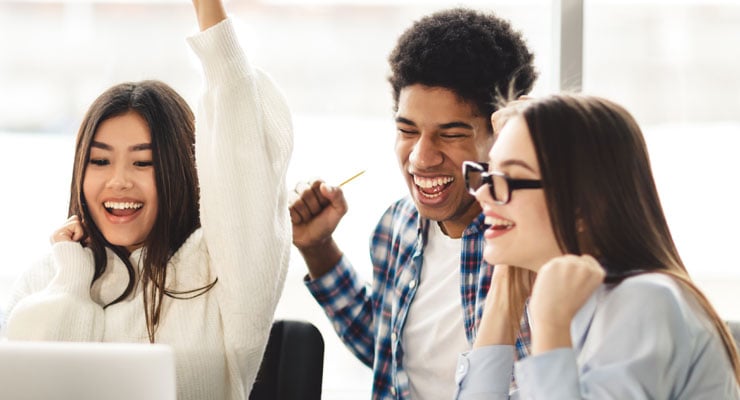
(243, 144)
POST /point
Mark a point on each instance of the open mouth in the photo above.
(498, 224)
(432, 187)
(122, 209)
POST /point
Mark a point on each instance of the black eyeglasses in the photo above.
(499, 184)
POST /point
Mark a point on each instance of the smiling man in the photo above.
(429, 278)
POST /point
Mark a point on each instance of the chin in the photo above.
(494, 256)
(490, 256)
(432, 213)
(124, 242)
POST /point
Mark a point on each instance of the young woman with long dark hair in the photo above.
(157, 250)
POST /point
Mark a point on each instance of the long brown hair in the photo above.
(614, 200)
(172, 127)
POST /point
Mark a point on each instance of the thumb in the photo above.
(334, 194)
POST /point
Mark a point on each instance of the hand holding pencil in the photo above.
(315, 214)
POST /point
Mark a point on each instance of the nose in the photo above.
(425, 153)
(483, 194)
(120, 179)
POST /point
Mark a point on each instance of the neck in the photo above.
(454, 227)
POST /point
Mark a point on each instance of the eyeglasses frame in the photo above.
(487, 179)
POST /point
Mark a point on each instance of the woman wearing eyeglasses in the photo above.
(569, 197)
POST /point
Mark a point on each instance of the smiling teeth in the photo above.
(428, 183)
(498, 223)
(122, 206)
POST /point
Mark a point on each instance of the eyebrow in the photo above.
(519, 163)
(448, 125)
(136, 147)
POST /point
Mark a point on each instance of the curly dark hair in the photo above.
(476, 55)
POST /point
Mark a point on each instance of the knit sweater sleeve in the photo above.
(62, 309)
(243, 145)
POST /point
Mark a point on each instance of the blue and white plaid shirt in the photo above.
(370, 322)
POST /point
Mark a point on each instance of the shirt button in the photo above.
(393, 391)
(462, 369)
(412, 284)
(393, 336)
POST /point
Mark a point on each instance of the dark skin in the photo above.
(436, 132)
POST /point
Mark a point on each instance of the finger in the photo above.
(72, 230)
(294, 202)
(77, 232)
(299, 213)
(322, 199)
(313, 199)
(596, 268)
(61, 235)
(295, 216)
(298, 209)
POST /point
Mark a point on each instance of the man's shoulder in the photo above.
(400, 221)
(402, 209)
(400, 216)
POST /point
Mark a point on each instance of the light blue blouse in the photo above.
(646, 338)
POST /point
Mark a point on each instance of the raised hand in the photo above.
(315, 214)
(71, 231)
(562, 287)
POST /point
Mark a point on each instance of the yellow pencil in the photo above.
(351, 178)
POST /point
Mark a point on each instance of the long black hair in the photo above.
(172, 126)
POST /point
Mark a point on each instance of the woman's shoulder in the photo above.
(654, 296)
(647, 285)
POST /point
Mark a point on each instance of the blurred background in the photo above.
(673, 64)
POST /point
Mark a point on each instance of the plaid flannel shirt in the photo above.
(370, 322)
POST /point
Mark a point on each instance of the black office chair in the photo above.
(293, 365)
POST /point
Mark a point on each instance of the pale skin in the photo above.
(71, 231)
(208, 13)
(564, 282)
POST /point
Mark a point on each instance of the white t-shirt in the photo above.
(434, 333)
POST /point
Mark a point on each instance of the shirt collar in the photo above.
(476, 226)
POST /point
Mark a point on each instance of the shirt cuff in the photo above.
(338, 287)
(75, 268)
(536, 380)
(485, 372)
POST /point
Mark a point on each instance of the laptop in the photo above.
(86, 371)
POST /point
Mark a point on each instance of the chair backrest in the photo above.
(293, 365)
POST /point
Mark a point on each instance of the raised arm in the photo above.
(209, 13)
(243, 145)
